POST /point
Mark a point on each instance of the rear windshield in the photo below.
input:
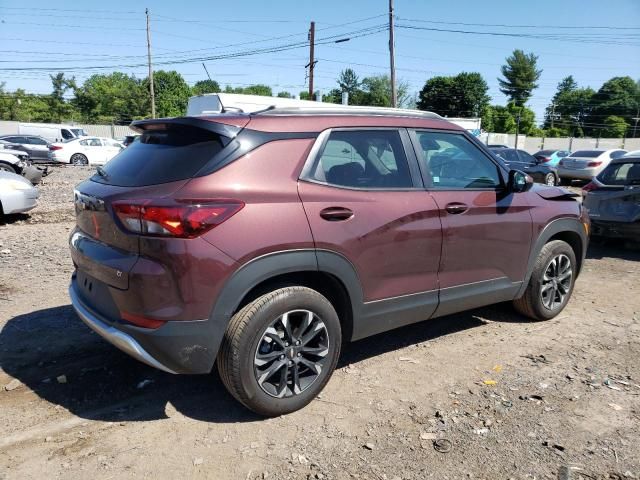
(544, 152)
(161, 156)
(586, 153)
(621, 174)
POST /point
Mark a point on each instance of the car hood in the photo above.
(554, 193)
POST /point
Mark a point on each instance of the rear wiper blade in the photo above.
(101, 171)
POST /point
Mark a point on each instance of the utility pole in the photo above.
(553, 112)
(517, 128)
(312, 41)
(392, 59)
(151, 90)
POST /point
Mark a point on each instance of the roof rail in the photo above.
(212, 103)
(334, 109)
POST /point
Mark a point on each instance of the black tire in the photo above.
(531, 304)
(246, 333)
(78, 159)
(7, 167)
(550, 179)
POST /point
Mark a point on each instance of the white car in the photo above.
(586, 164)
(85, 151)
(17, 195)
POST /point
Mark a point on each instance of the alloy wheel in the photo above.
(556, 282)
(291, 354)
(550, 180)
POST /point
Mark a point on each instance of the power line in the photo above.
(571, 27)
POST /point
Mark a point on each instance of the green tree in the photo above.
(205, 86)
(262, 90)
(60, 108)
(115, 97)
(615, 127)
(376, 92)
(520, 76)
(570, 108)
(171, 91)
(463, 95)
(504, 119)
(348, 81)
(284, 95)
(619, 97)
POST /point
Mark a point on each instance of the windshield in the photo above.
(587, 153)
(544, 152)
(621, 174)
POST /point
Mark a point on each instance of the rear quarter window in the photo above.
(162, 156)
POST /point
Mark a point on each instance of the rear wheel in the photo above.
(550, 179)
(79, 159)
(5, 167)
(551, 282)
(280, 350)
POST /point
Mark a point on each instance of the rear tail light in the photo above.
(180, 219)
(589, 187)
(544, 159)
(54, 147)
(594, 164)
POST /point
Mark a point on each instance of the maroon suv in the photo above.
(262, 242)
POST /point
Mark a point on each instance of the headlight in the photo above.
(15, 185)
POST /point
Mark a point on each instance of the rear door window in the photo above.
(369, 159)
(162, 156)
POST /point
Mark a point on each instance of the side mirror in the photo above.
(519, 181)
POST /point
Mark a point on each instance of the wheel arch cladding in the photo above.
(569, 230)
(327, 272)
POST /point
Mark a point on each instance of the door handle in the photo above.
(456, 208)
(336, 214)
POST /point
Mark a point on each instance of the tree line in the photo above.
(610, 111)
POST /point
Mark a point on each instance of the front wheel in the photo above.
(550, 179)
(280, 350)
(551, 282)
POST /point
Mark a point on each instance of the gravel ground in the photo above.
(483, 394)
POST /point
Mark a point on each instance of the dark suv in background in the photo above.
(263, 242)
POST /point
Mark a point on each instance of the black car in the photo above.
(521, 160)
(612, 199)
(37, 147)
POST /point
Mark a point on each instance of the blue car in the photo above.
(551, 157)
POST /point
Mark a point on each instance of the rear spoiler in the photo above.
(210, 124)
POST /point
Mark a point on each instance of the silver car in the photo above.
(613, 199)
(17, 194)
(586, 164)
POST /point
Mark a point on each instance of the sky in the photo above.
(39, 37)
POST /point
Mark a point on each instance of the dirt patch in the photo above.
(483, 394)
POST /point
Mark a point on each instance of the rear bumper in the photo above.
(176, 347)
(578, 174)
(627, 230)
(119, 339)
